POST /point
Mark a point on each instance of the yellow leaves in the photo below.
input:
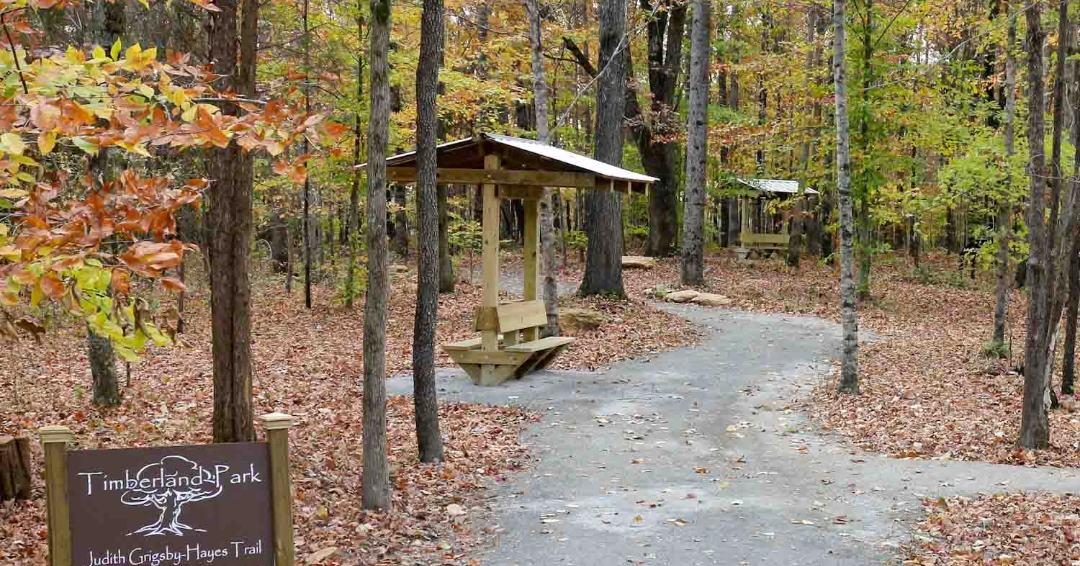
(98, 55)
(13, 193)
(136, 59)
(46, 142)
(114, 52)
(12, 143)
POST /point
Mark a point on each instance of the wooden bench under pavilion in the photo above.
(760, 230)
(509, 345)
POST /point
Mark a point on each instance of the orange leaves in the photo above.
(52, 287)
(295, 171)
(333, 130)
(172, 284)
(151, 258)
(121, 281)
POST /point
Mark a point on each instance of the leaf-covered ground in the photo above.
(927, 390)
(308, 364)
(1016, 529)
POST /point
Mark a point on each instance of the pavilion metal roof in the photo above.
(461, 154)
(776, 186)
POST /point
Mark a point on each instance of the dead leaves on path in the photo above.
(1017, 529)
(926, 389)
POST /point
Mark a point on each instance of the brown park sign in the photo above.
(203, 505)
(207, 505)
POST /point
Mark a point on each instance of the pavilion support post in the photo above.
(490, 336)
(532, 249)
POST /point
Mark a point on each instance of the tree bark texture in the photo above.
(547, 217)
(1003, 283)
(692, 266)
(15, 472)
(665, 34)
(446, 262)
(306, 41)
(401, 222)
(1035, 418)
(109, 24)
(376, 480)
(352, 229)
(231, 220)
(603, 265)
(103, 370)
(1068, 369)
(849, 365)
(427, 234)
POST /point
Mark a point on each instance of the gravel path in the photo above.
(695, 458)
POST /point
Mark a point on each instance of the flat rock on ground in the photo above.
(638, 262)
(681, 296)
(696, 458)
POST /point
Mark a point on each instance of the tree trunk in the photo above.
(547, 216)
(1068, 369)
(1035, 419)
(732, 222)
(110, 27)
(849, 366)
(352, 228)
(665, 35)
(1003, 286)
(103, 370)
(692, 265)
(446, 262)
(401, 222)
(15, 472)
(306, 41)
(376, 480)
(231, 214)
(812, 226)
(427, 234)
(603, 267)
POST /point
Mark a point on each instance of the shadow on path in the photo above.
(696, 457)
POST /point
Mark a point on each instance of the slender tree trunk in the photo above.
(306, 150)
(446, 262)
(665, 35)
(232, 222)
(1005, 208)
(401, 222)
(547, 217)
(1068, 370)
(865, 235)
(427, 233)
(1035, 419)
(376, 480)
(110, 26)
(849, 367)
(697, 152)
(603, 267)
(352, 229)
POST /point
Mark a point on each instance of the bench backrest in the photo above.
(752, 239)
(520, 315)
(509, 317)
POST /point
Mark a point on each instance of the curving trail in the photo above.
(695, 457)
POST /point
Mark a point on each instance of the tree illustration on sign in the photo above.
(168, 485)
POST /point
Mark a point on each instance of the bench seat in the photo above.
(540, 345)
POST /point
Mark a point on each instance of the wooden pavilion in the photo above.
(761, 230)
(509, 345)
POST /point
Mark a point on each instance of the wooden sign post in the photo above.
(54, 439)
(205, 505)
(277, 427)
